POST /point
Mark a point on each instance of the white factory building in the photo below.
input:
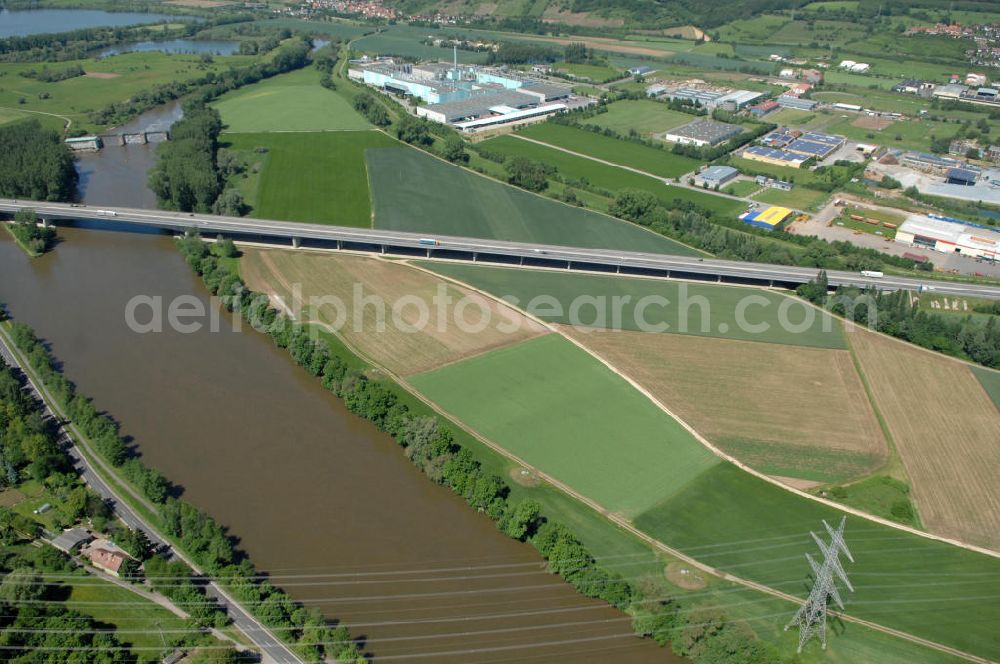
(949, 237)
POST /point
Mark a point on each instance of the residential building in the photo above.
(106, 556)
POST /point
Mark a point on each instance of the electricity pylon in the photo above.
(811, 616)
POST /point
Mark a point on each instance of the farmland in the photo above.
(734, 521)
(624, 153)
(123, 76)
(289, 102)
(609, 177)
(416, 192)
(617, 447)
(644, 116)
(314, 177)
(945, 429)
(404, 40)
(595, 73)
(767, 389)
(693, 308)
(796, 175)
(411, 346)
(991, 383)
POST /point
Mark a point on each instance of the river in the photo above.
(318, 497)
(36, 21)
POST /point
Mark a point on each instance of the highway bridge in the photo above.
(479, 249)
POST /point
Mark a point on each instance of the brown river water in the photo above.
(318, 497)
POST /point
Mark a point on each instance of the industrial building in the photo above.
(774, 156)
(85, 143)
(790, 101)
(702, 133)
(929, 163)
(950, 236)
(769, 219)
(716, 176)
(734, 100)
(950, 91)
(962, 176)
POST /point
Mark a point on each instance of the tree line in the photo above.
(35, 163)
(899, 315)
(206, 542)
(205, 88)
(186, 175)
(431, 447)
(29, 449)
(35, 239)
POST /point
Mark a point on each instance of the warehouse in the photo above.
(949, 237)
(962, 176)
(769, 219)
(694, 96)
(476, 106)
(702, 133)
(814, 144)
(789, 101)
(737, 100)
(774, 156)
(716, 176)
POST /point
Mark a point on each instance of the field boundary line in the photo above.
(615, 518)
(739, 464)
(64, 118)
(699, 252)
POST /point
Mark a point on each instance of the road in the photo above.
(271, 648)
(603, 260)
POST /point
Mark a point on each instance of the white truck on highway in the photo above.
(872, 273)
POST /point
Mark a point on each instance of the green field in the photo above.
(798, 198)
(720, 303)
(140, 621)
(990, 381)
(787, 173)
(121, 77)
(337, 28)
(416, 192)
(313, 177)
(610, 443)
(289, 102)
(646, 117)
(739, 523)
(609, 177)
(404, 40)
(741, 188)
(624, 153)
(595, 73)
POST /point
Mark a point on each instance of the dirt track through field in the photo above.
(797, 402)
(946, 430)
(416, 345)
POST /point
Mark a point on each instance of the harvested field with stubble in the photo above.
(946, 430)
(403, 350)
(785, 410)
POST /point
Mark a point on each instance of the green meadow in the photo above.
(289, 102)
(562, 411)
(315, 177)
(624, 153)
(645, 116)
(416, 192)
(990, 381)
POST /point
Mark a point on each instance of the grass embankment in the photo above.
(416, 192)
(657, 161)
(317, 177)
(990, 381)
(289, 102)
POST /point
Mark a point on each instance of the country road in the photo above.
(273, 650)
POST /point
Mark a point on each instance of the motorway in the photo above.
(602, 260)
(272, 649)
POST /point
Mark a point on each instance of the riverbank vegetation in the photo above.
(186, 175)
(34, 239)
(432, 447)
(196, 533)
(40, 584)
(35, 163)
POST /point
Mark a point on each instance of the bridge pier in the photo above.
(296, 242)
(340, 244)
(475, 256)
(381, 248)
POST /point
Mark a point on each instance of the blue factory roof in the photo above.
(962, 174)
(774, 153)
